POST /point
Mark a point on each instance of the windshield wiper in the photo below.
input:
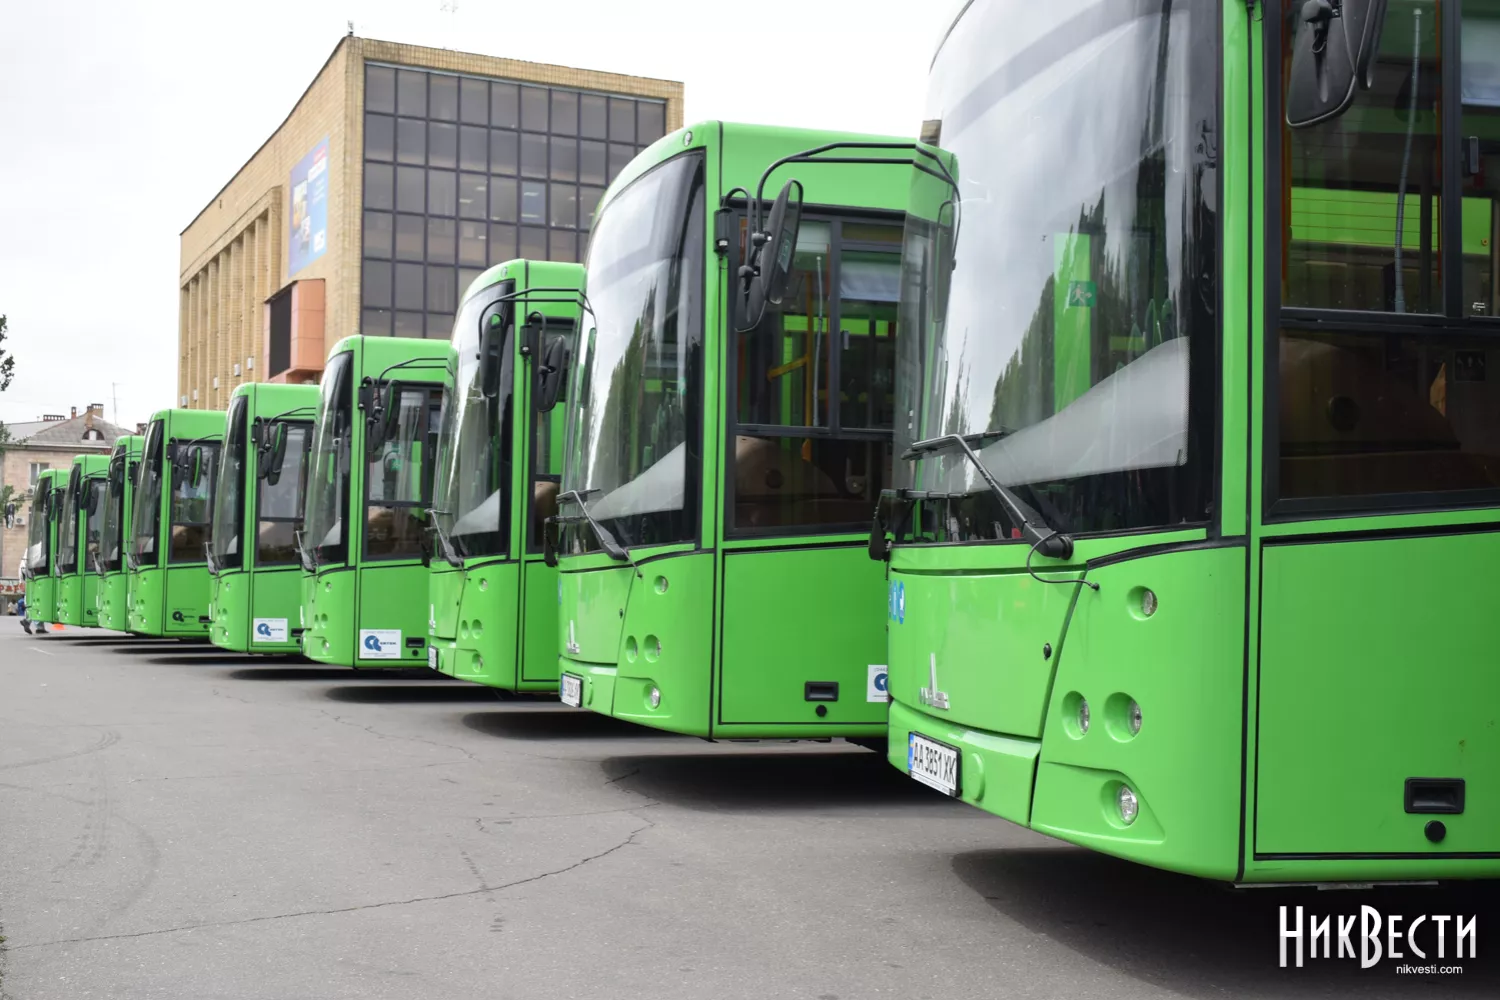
(607, 541)
(1043, 538)
(449, 553)
(309, 560)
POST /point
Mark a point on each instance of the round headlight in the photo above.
(655, 697)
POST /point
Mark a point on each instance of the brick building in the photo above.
(49, 443)
(400, 174)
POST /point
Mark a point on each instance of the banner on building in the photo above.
(309, 215)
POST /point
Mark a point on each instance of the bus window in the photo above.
(546, 463)
(398, 481)
(1343, 182)
(279, 516)
(191, 507)
(1480, 74)
(796, 463)
(1369, 416)
(96, 510)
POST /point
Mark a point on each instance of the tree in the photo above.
(7, 360)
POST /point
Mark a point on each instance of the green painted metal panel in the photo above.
(799, 617)
(539, 651)
(983, 637)
(1183, 666)
(666, 641)
(1371, 673)
(489, 625)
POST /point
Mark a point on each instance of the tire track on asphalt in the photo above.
(105, 741)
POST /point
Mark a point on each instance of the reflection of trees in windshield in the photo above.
(630, 425)
(1087, 239)
(1129, 306)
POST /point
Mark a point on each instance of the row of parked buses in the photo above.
(1158, 365)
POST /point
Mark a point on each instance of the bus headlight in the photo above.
(655, 696)
(1128, 805)
(1133, 719)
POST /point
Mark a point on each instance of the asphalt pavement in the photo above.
(180, 822)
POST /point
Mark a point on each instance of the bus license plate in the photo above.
(571, 690)
(932, 763)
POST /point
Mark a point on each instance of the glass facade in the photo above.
(464, 172)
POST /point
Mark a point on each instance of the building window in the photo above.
(37, 468)
(464, 172)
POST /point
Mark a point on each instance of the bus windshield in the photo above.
(145, 514)
(1060, 302)
(67, 529)
(474, 449)
(36, 528)
(229, 492)
(328, 480)
(114, 516)
(629, 432)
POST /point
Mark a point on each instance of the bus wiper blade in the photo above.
(448, 552)
(1042, 537)
(932, 445)
(607, 541)
(309, 560)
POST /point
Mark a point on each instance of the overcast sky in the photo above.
(119, 120)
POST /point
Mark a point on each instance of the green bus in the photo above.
(723, 458)
(167, 593)
(492, 601)
(78, 542)
(1197, 464)
(41, 545)
(255, 575)
(368, 489)
(114, 537)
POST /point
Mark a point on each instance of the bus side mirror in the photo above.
(878, 550)
(491, 339)
(1333, 53)
(91, 505)
(551, 373)
(385, 416)
(275, 455)
(549, 542)
(766, 276)
(195, 467)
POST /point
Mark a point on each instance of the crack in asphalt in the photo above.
(392, 736)
(630, 839)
